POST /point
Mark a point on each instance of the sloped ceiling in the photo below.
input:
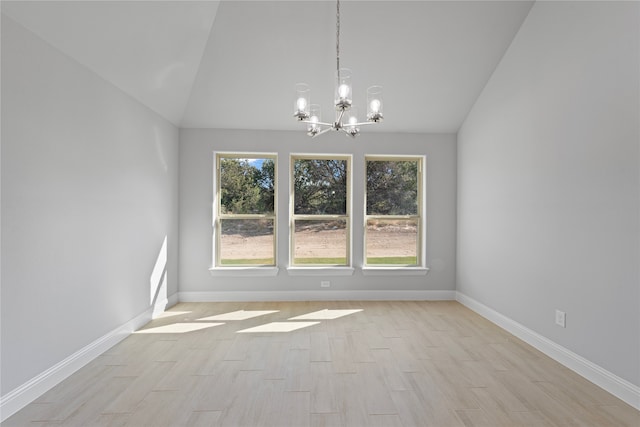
(233, 64)
(150, 50)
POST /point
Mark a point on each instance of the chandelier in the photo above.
(346, 115)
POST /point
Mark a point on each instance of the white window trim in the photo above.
(320, 271)
(312, 269)
(249, 270)
(244, 271)
(392, 270)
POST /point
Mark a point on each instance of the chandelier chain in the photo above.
(338, 37)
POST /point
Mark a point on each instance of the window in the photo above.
(320, 210)
(394, 211)
(245, 210)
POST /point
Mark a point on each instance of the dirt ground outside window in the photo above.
(382, 241)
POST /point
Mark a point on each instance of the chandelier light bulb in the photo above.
(302, 104)
(375, 106)
(343, 91)
(374, 102)
(351, 125)
(313, 125)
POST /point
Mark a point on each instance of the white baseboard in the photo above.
(172, 300)
(321, 295)
(20, 397)
(622, 389)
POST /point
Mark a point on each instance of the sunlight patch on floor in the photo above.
(170, 314)
(238, 315)
(177, 328)
(325, 314)
(279, 327)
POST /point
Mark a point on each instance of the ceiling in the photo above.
(234, 64)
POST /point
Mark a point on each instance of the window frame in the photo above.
(419, 217)
(321, 268)
(249, 269)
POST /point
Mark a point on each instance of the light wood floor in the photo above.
(391, 364)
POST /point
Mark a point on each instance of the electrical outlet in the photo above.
(561, 318)
(325, 284)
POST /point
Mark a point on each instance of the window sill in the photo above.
(394, 271)
(320, 271)
(244, 271)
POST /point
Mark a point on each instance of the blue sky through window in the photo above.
(256, 162)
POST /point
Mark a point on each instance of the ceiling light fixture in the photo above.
(346, 116)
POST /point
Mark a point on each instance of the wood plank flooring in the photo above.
(389, 364)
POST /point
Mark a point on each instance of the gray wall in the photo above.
(89, 192)
(196, 192)
(548, 182)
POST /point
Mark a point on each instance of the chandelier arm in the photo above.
(317, 123)
(362, 124)
(349, 133)
(321, 132)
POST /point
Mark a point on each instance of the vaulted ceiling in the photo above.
(234, 64)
